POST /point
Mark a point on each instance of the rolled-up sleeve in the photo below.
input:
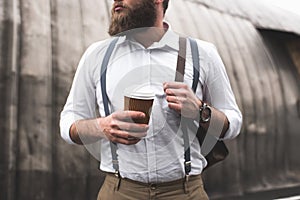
(219, 94)
(81, 102)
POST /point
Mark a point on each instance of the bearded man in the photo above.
(148, 160)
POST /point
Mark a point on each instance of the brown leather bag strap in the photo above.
(179, 78)
(181, 60)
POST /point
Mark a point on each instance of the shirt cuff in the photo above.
(65, 126)
(235, 123)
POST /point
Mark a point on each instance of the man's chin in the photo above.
(116, 31)
(129, 31)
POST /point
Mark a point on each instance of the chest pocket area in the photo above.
(164, 118)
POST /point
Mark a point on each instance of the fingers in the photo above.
(176, 94)
(176, 89)
(175, 106)
(174, 85)
(132, 127)
(127, 135)
(128, 115)
(181, 98)
(121, 129)
(123, 137)
(123, 120)
(173, 99)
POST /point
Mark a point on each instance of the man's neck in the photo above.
(150, 35)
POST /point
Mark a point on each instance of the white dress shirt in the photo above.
(159, 156)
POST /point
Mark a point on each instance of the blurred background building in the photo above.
(42, 42)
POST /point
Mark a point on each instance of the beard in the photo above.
(141, 15)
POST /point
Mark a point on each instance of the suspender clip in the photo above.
(117, 174)
(187, 167)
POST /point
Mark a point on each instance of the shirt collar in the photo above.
(170, 39)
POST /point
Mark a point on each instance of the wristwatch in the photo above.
(205, 113)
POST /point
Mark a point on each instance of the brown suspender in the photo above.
(181, 60)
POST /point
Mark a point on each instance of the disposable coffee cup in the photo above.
(141, 100)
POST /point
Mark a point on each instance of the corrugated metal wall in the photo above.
(41, 44)
(267, 88)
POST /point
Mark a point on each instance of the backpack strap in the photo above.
(180, 78)
(105, 61)
(181, 60)
(201, 134)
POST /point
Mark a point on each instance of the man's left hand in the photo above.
(181, 98)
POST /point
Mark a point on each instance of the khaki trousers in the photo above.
(115, 188)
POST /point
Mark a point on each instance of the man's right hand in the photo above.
(117, 127)
(120, 128)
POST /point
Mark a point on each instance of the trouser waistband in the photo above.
(176, 183)
(124, 189)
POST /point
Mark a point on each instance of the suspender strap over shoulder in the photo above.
(180, 77)
(105, 61)
(103, 74)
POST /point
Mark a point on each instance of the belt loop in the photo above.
(185, 184)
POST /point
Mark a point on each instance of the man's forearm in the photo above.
(85, 131)
(217, 125)
(74, 135)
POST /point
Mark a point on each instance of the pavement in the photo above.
(278, 194)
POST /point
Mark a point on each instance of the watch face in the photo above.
(205, 114)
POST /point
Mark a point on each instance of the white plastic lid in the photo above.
(140, 93)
